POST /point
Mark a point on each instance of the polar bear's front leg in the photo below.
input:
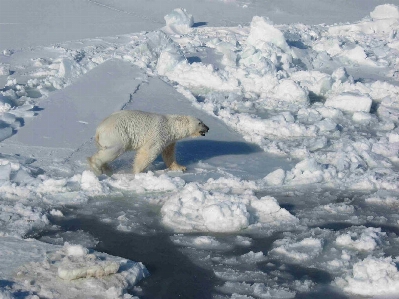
(144, 157)
(168, 156)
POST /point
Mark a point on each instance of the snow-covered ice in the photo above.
(372, 276)
(105, 276)
(210, 209)
(294, 191)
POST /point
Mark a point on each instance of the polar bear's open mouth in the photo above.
(204, 130)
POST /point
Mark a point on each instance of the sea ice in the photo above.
(4, 69)
(179, 20)
(372, 277)
(386, 11)
(213, 207)
(94, 274)
(275, 178)
(350, 102)
(305, 250)
(367, 240)
(91, 184)
(145, 182)
(262, 31)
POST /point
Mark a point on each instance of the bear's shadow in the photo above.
(192, 151)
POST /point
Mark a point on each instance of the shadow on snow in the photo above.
(192, 151)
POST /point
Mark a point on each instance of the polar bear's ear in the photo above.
(182, 119)
(180, 126)
(181, 122)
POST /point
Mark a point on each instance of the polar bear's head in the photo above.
(197, 127)
(187, 126)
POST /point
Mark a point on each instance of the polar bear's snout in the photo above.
(204, 129)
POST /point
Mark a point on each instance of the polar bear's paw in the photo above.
(176, 167)
(106, 169)
(94, 167)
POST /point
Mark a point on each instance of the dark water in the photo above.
(172, 274)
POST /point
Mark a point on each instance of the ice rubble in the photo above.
(387, 200)
(145, 182)
(322, 126)
(351, 102)
(216, 207)
(256, 289)
(179, 21)
(372, 277)
(79, 264)
(19, 218)
(20, 181)
(367, 241)
(305, 250)
(105, 276)
(202, 242)
(387, 11)
(360, 247)
(263, 32)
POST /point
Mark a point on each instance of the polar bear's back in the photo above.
(132, 128)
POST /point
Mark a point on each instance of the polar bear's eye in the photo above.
(199, 123)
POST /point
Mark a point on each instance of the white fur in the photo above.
(149, 133)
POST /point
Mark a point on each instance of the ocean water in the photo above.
(178, 270)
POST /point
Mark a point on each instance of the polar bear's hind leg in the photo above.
(98, 162)
(168, 156)
(95, 165)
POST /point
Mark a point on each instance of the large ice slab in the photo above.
(88, 101)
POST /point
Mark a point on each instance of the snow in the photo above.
(179, 21)
(256, 289)
(302, 251)
(78, 264)
(195, 209)
(275, 178)
(298, 174)
(101, 272)
(202, 242)
(207, 207)
(372, 276)
(262, 31)
(350, 102)
(145, 182)
(386, 11)
(367, 241)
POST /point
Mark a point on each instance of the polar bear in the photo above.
(150, 134)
